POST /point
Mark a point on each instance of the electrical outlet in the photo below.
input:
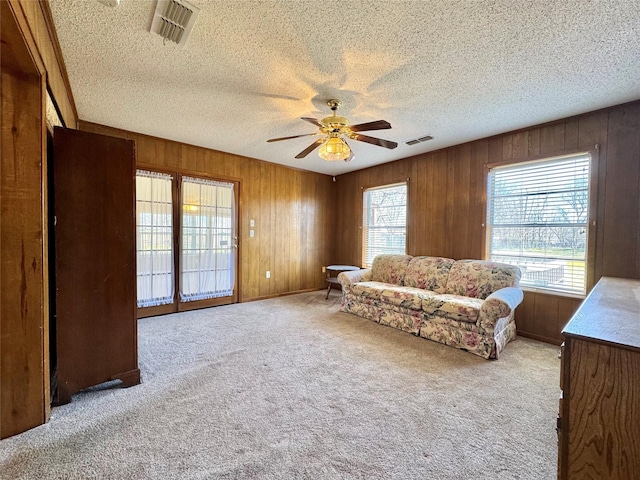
(251, 233)
(268, 274)
(324, 269)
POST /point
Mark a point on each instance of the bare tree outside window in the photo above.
(384, 221)
(537, 218)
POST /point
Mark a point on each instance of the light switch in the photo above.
(252, 223)
(251, 233)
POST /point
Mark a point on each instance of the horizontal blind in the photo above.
(384, 221)
(537, 218)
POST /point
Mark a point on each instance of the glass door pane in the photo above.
(208, 240)
(154, 239)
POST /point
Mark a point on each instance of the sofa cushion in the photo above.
(428, 273)
(455, 307)
(407, 297)
(389, 268)
(479, 278)
(369, 289)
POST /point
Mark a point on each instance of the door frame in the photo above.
(177, 305)
(24, 349)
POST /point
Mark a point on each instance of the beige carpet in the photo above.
(290, 388)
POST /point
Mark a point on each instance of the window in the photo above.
(384, 215)
(537, 218)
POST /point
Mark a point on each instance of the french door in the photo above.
(186, 242)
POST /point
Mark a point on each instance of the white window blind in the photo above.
(208, 241)
(537, 218)
(154, 238)
(384, 215)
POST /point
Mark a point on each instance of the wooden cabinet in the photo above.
(599, 420)
(96, 326)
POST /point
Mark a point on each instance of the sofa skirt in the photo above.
(463, 335)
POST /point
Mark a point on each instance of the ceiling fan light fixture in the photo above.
(334, 149)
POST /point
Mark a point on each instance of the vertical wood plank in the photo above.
(526, 315)
(621, 209)
(477, 197)
(264, 230)
(22, 349)
(566, 308)
(437, 213)
(552, 139)
(507, 148)
(417, 206)
(571, 129)
(520, 148)
(534, 142)
(462, 224)
(495, 150)
(188, 158)
(451, 205)
(546, 315)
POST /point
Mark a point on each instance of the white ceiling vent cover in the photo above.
(173, 20)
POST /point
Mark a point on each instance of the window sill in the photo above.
(555, 293)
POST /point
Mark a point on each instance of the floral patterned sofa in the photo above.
(468, 304)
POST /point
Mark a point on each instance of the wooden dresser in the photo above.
(95, 239)
(599, 420)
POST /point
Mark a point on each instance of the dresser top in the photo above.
(610, 313)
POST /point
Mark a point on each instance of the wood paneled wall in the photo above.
(35, 17)
(24, 375)
(292, 209)
(447, 201)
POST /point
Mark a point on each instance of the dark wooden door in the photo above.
(94, 183)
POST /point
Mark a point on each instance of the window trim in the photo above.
(592, 232)
(363, 243)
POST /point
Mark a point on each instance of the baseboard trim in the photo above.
(276, 295)
(540, 338)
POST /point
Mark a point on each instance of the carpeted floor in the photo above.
(290, 388)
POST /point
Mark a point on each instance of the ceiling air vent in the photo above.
(419, 140)
(173, 20)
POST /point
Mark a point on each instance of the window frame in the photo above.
(363, 226)
(590, 264)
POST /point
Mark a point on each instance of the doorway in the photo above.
(186, 242)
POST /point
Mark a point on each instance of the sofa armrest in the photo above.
(499, 304)
(354, 276)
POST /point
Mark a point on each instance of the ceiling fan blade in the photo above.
(377, 125)
(289, 138)
(315, 121)
(350, 157)
(310, 148)
(374, 141)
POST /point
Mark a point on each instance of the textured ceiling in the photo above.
(457, 70)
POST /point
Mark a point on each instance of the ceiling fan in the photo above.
(334, 130)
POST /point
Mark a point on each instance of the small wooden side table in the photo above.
(332, 276)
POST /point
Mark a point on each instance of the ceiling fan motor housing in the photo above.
(335, 122)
